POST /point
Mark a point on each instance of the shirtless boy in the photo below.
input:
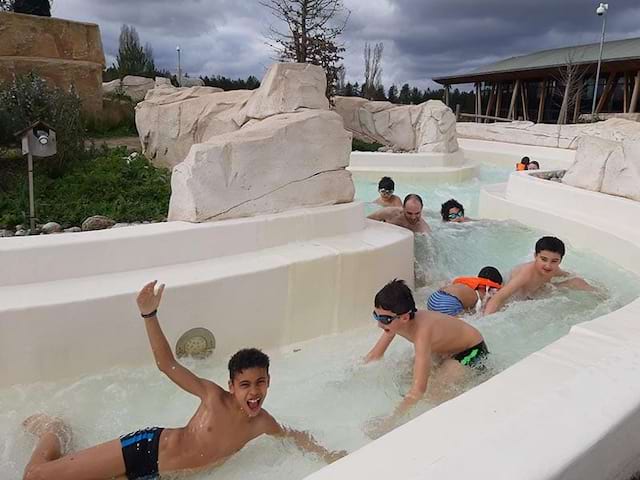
(386, 186)
(457, 343)
(223, 423)
(529, 278)
(408, 216)
(466, 293)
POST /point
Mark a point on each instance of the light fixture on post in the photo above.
(38, 140)
(601, 11)
(179, 67)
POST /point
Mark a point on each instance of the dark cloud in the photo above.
(422, 38)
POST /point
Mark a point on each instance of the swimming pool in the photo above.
(322, 386)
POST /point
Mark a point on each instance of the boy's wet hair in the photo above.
(247, 358)
(448, 205)
(386, 183)
(551, 244)
(534, 162)
(396, 297)
(491, 273)
(412, 196)
(525, 161)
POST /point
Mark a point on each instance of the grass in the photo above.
(361, 146)
(106, 182)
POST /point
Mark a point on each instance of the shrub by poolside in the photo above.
(108, 182)
(361, 146)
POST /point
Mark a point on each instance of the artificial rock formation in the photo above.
(63, 52)
(428, 127)
(547, 135)
(286, 161)
(606, 166)
(248, 152)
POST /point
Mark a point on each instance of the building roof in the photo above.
(614, 53)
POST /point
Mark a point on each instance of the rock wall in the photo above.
(248, 152)
(428, 127)
(606, 166)
(63, 52)
(547, 135)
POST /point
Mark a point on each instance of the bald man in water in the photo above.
(408, 216)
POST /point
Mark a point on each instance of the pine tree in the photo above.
(132, 58)
(41, 8)
(405, 94)
(392, 96)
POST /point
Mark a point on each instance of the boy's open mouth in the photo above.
(254, 404)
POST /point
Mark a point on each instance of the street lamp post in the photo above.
(179, 67)
(601, 11)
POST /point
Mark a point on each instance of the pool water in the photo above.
(321, 385)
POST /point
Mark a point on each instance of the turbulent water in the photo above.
(321, 385)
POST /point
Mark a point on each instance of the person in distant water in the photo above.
(452, 211)
(529, 278)
(386, 186)
(408, 216)
(447, 338)
(533, 166)
(466, 293)
(524, 163)
(223, 423)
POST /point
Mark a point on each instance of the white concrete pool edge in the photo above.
(570, 411)
(266, 281)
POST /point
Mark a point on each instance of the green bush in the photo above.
(27, 99)
(112, 183)
(362, 146)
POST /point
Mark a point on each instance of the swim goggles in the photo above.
(384, 319)
(384, 191)
(453, 216)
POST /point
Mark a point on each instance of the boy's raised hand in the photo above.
(148, 299)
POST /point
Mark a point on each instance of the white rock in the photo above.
(51, 227)
(73, 230)
(587, 171)
(288, 87)
(161, 82)
(137, 87)
(191, 82)
(112, 86)
(622, 172)
(428, 127)
(170, 121)
(286, 161)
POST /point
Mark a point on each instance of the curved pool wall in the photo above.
(67, 302)
(570, 411)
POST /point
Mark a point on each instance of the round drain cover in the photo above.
(196, 343)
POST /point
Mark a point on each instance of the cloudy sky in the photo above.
(422, 38)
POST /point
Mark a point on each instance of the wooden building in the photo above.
(556, 86)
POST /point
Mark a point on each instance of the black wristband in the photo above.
(150, 314)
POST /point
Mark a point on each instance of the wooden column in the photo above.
(543, 95)
(607, 91)
(634, 96)
(512, 105)
(562, 116)
(499, 98)
(576, 107)
(492, 101)
(523, 96)
(625, 96)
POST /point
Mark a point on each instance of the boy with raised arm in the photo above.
(223, 423)
(529, 278)
(457, 343)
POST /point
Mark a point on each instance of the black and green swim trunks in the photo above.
(473, 357)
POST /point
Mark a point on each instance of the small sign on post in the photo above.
(38, 140)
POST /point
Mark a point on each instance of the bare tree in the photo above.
(372, 69)
(571, 78)
(312, 30)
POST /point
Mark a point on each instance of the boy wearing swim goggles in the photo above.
(456, 342)
(452, 211)
(386, 186)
